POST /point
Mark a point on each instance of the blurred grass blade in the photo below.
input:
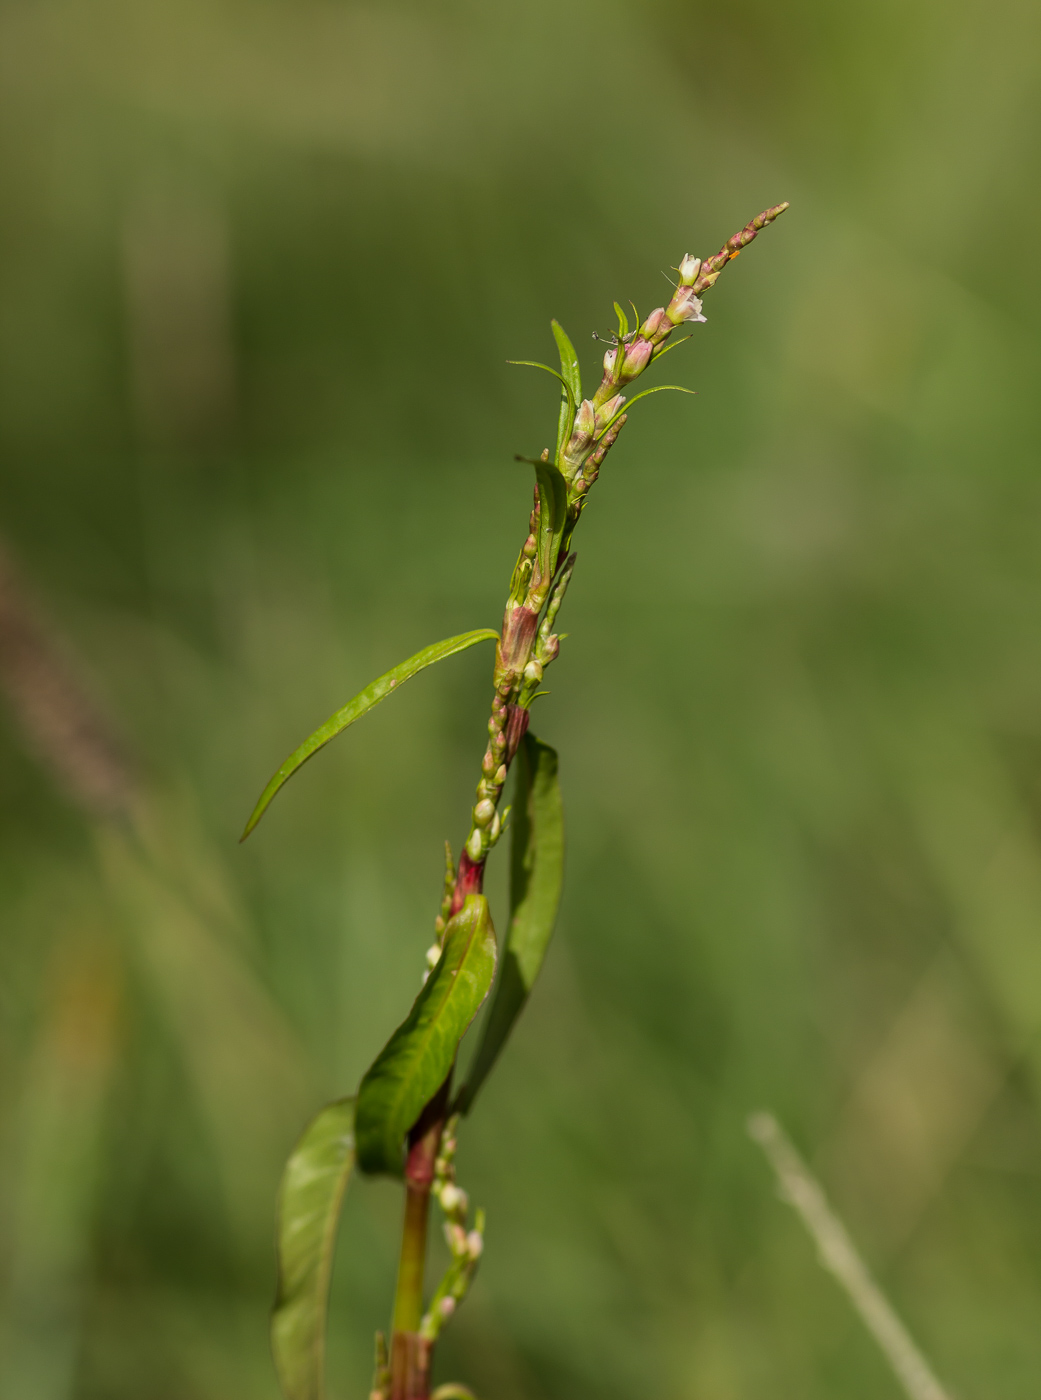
(309, 1203)
(536, 876)
(362, 703)
(189, 946)
(419, 1055)
(55, 1174)
(838, 1254)
(572, 378)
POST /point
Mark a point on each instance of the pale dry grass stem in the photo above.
(838, 1254)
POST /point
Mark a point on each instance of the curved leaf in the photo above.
(568, 407)
(571, 376)
(658, 389)
(569, 366)
(537, 364)
(309, 1202)
(536, 877)
(670, 345)
(419, 1056)
(362, 703)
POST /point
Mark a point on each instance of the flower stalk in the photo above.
(526, 648)
(402, 1121)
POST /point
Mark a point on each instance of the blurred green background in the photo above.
(261, 265)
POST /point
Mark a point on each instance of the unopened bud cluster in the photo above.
(486, 824)
(527, 646)
(441, 922)
(465, 1245)
(599, 420)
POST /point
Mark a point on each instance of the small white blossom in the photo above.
(689, 269)
(690, 309)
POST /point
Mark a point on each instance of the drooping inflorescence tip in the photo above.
(712, 267)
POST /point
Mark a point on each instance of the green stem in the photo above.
(409, 1352)
(408, 1299)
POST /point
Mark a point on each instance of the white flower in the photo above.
(689, 269)
(689, 308)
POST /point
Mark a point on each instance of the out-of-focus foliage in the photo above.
(261, 266)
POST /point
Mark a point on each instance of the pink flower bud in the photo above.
(637, 358)
(609, 359)
(585, 420)
(689, 269)
(581, 438)
(608, 411)
(447, 1306)
(474, 1244)
(654, 323)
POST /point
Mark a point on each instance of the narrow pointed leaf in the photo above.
(669, 345)
(537, 364)
(568, 407)
(362, 703)
(309, 1203)
(572, 377)
(569, 366)
(623, 321)
(536, 876)
(417, 1059)
(658, 389)
(552, 516)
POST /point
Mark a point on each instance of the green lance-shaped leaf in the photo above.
(552, 517)
(309, 1203)
(417, 1059)
(537, 364)
(362, 703)
(572, 378)
(536, 876)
